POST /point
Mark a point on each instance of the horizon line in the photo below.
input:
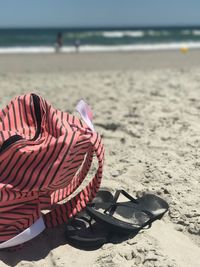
(101, 27)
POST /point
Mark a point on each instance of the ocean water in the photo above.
(92, 40)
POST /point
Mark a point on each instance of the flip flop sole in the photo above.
(85, 237)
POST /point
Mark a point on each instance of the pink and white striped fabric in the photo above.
(45, 155)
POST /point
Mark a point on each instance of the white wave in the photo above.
(36, 50)
(99, 48)
(196, 32)
(117, 34)
(141, 47)
(27, 50)
(134, 33)
(113, 34)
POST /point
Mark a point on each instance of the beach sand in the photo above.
(147, 107)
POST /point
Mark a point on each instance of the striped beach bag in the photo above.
(45, 155)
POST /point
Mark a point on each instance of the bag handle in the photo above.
(63, 212)
(63, 193)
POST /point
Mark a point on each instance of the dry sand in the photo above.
(147, 106)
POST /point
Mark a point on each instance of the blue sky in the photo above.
(76, 13)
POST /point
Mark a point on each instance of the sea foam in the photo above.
(99, 48)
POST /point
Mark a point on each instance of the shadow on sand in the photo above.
(41, 246)
(36, 249)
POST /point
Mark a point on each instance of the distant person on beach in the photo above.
(77, 44)
(59, 41)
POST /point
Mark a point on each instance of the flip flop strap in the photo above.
(86, 220)
(116, 196)
(123, 192)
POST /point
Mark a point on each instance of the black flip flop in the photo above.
(84, 232)
(130, 216)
